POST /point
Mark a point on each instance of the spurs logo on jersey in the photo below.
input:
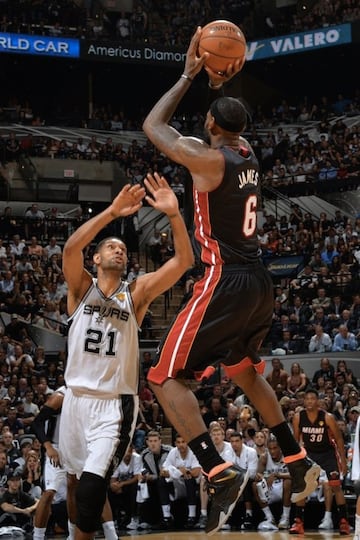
(103, 343)
(106, 311)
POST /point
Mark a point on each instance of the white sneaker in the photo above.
(267, 525)
(225, 527)
(144, 525)
(133, 525)
(284, 523)
(326, 524)
(356, 536)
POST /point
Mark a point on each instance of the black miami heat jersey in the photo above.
(225, 219)
(315, 435)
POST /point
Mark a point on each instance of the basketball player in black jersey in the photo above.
(322, 439)
(230, 311)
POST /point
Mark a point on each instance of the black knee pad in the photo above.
(90, 500)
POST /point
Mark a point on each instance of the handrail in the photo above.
(279, 195)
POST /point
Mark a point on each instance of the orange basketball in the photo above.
(225, 43)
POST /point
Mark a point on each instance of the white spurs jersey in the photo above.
(103, 351)
(275, 466)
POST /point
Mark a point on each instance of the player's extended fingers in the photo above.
(194, 43)
(151, 183)
(137, 190)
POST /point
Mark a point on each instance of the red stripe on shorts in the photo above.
(178, 343)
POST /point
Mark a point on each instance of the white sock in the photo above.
(249, 512)
(109, 530)
(357, 524)
(166, 510)
(71, 527)
(203, 512)
(39, 533)
(328, 515)
(268, 513)
(192, 510)
(286, 511)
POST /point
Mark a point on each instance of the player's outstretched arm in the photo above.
(156, 124)
(147, 287)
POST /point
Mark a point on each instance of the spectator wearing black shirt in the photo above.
(214, 411)
(17, 506)
(16, 329)
(327, 371)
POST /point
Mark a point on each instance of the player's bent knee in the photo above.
(90, 500)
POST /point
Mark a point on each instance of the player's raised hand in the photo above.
(161, 195)
(194, 62)
(128, 201)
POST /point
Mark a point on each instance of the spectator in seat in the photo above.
(350, 378)
(277, 376)
(214, 411)
(225, 450)
(320, 342)
(146, 364)
(287, 344)
(246, 458)
(319, 318)
(326, 370)
(305, 284)
(297, 379)
(328, 254)
(148, 404)
(153, 458)
(52, 248)
(32, 475)
(11, 447)
(34, 221)
(4, 472)
(346, 320)
(344, 340)
(337, 306)
(14, 424)
(180, 472)
(278, 311)
(278, 329)
(299, 314)
(16, 505)
(273, 484)
(321, 300)
(123, 488)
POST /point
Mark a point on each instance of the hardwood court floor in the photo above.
(224, 535)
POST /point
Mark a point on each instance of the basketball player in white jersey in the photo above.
(46, 429)
(102, 370)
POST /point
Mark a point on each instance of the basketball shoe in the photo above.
(344, 527)
(225, 488)
(297, 527)
(304, 476)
